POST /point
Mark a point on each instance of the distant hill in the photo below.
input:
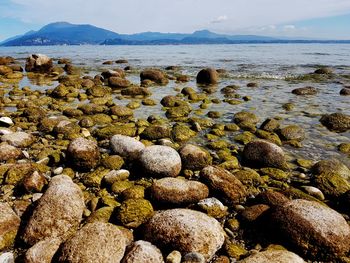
(63, 33)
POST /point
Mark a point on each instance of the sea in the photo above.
(276, 68)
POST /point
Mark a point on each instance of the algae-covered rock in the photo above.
(344, 148)
(245, 137)
(270, 125)
(102, 214)
(337, 122)
(332, 184)
(113, 129)
(94, 179)
(178, 112)
(156, 132)
(119, 186)
(331, 166)
(121, 112)
(194, 157)
(181, 133)
(136, 91)
(269, 136)
(113, 162)
(305, 91)
(9, 225)
(213, 207)
(134, 212)
(292, 132)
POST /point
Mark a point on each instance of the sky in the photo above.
(322, 19)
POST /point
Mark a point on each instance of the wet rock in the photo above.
(194, 157)
(114, 162)
(117, 82)
(337, 122)
(262, 153)
(160, 161)
(121, 112)
(280, 256)
(6, 60)
(171, 101)
(270, 125)
(18, 139)
(34, 114)
(6, 121)
(43, 251)
(4, 70)
(39, 63)
(305, 91)
(253, 213)
(224, 183)
(178, 112)
(324, 71)
(58, 213)
(332, 184)
(9, 225)
(331, 166)
(143, 251)
(178, 191)
(185, 230)
(182, 133)
(292, 132)
(134, 212)
(345, 92)
(207, 76)
(112, 73)
(95, 242)
(126, 146)
(121, 61)
(83, 154)
(316, 230)
(8, 152)
(174, 257)
(155, 76)
(156, 132)
(252, 85)
(136, 91)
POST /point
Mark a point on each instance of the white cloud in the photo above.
(220, 19)
(289, 27)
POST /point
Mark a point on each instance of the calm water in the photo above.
(269, 65)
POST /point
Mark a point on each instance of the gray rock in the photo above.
(160, 161)
(126, 146)
(95, 242)
(280, 256)
(58, 213)
(18, 139)
(143, 251)
(185, 230)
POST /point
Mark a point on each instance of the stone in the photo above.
(119, 83)
(39, 63)
(337, 122)
(134, 212)
(160, 161)
(9, 225)
(213, 207)
(156, 132)
(208, 76)
(280, 256)
(261, 153)
(323, 71)
(58, 213)
(95, 242)
(194, 157)
(143, 251)
(193, 257)
(224, 184)
(7, 257)
(8, 152)
(18, 139)
(154, 75)
(121, 112)
(136, 91)
(116, 175)
(178, 191)
(34, 182)
(6, 121)
(292, 132)
(83, 154)
(185, 230)
(270, 125)
(43, 251)
(126, 146)
(305, 91)
(316, 230)
(173, 257)
(331, 166)
(345, 92)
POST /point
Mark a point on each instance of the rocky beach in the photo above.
(116, 162)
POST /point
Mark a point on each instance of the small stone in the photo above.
(193, 257)
(280, 256)
(8, 152)
(314, 192)
(6, 121)
(213, 207)
(337, 122)
(116, 175)
(173, 257)
(194, 157)
(134, 212)
(305, 91)
(58, 170)
(34, 182)
(43, 251)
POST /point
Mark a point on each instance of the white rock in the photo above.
(7, 258)
(126, 146)
(6, 120)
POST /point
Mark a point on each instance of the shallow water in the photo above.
(268, 65)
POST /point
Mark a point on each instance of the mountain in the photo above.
(63, 33)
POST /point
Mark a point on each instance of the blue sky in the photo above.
(326, 19)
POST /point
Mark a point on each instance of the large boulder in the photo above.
(95, 242)
(160, 161)
(9, 224)
(337, 122)
(185, 230)
(178, 191)
(83, 154)
(194, 157)
(143, 251)
(39, 63)
(126, 146)
(207, 76)
(43, 251)
(224, 184)
(58, 213)
(280, 256)
(155, 75)
(316, 230)
(261, 153)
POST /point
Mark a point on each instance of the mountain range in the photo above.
(63, 33)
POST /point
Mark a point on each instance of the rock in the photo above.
(261, 153)
(18, 139)
(9, 225)
(178, 191)
(332, 184)
(154, 75)
(324, 71)
(6, 60)
(207, 76)
(213, 207)
(193, 257)
(43, 251)
(116, 175)
(292, 132)
(126, 146)
(160, 161)
(270, 125)
(224, 183)
(253, 213)
(345, 92)
(95, 242)
(185, 230)
(337, 122)
(7, 257)
(121, 112)
(112, 73)
(58, 213)
(181, 133)
(83, 154)
(136, 91)
(156, 132)
(305, 91)
(8, 152)
(280, 256)
(134, 212)
(194, 157)
(173, 257)
(244, 116)
(117, 82)
(39, 63)
(6, 121)
(34, 182)
(331, 166)
(121, 61)
(318, 231)
(143, 251)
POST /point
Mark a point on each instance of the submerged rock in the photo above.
(337, 122)
(185, 230)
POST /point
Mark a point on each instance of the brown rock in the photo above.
(136, 91)
(337, 122)
(280, 256)
(207, 76)
(155, 75)
(9, 224)
(194, 157)
(43, 251)
(83, 154)
(117, 82)
(18, 139)
(305, 91)
(34, 182)
(39, 63)
(8, 152)
(143, 251)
